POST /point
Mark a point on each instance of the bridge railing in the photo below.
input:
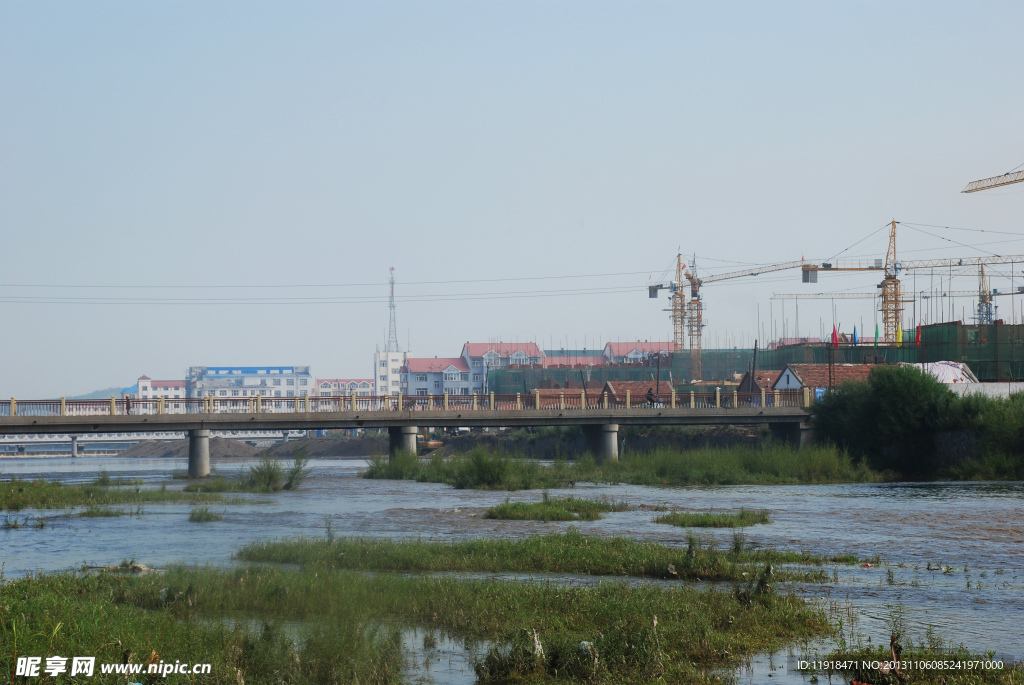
(546, 400)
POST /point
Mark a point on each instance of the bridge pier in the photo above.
(74, 445)
(402, 439)
(198, 453)
(603, 441)
(797, 435)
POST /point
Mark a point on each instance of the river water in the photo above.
(974, 531)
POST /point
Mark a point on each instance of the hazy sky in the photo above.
(178, 154)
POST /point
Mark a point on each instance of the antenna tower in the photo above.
(392, 345)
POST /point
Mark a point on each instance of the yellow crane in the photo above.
(688, 315)
(892, 301)
(994, 182)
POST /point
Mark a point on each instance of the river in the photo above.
(974, 531)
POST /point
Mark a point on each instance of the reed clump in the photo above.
(204, 515)
(714, 519)
(267, 475)
(554, 509)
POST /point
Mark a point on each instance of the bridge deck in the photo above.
(571, 408)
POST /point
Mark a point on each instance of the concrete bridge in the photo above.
(786, 412)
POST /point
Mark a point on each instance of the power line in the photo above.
(318, 285)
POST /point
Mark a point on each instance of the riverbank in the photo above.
(766, 464)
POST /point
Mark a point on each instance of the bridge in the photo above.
(786, 412)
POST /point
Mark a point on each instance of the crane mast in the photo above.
(688, 315)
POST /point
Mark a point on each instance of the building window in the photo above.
(437, 385)
(384, 364)
(277, 381)
(421, 377)
(394, 383)
(384, 378)
(277, 393)
(452, 376)
(291, 393)
(291, 381)
(476, 376)
(234, 393)
(421, 391)
(463, 376)
(302, 381)
(223, 393)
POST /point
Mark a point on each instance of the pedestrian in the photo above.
(127, 405)
(650, 396)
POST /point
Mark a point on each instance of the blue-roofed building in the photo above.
(249, 381)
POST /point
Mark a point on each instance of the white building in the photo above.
(249, 381)
(149, 389)
(387, 377)
(344, 387)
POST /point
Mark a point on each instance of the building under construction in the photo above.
(994, 352)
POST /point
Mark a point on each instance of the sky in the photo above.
(229, 183)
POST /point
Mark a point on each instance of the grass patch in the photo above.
(204, 515)
(570, 552)
(714, 519)
(267, 475)
(16, 494)
(558, 509)
(637, 634)
(122, 618)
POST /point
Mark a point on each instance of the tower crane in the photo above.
(994, 182)
(688, 316)
(984, 313)
(892, 302)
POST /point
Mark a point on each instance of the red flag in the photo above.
(918, 339)
(835, 336)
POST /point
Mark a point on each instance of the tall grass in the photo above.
(557, 509)
(16, 494)
(120, 619)
(770, 463)
(570, 552)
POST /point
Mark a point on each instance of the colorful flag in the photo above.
(876, 335)
(899, 334)
(855, 335)
(835, 336)
(918, 340)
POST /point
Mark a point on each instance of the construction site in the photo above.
(910, 324)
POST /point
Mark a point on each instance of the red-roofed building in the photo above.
(633, 352)
(814, 376)
(437, 375)
(482, 357)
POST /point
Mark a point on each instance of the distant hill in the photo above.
(100, 394)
